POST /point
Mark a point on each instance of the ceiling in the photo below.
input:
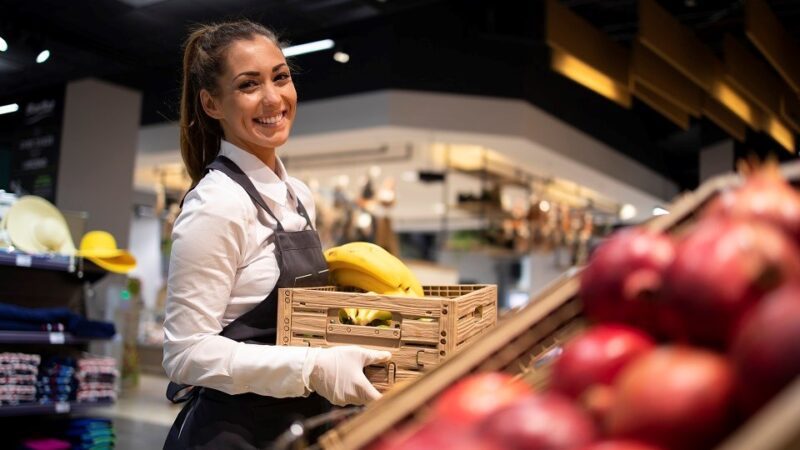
(478, 47)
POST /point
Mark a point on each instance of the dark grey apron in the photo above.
(215, 420)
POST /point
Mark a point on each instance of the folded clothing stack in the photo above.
(96, 378)
(57, 381)
(18, 378)
(90, 434)
(20, 318)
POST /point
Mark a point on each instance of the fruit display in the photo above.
(371, 269)
(683, 338)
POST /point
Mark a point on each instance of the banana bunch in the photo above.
(372, 269)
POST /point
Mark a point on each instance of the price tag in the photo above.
(57, 337)
(62, 408)
(24, 260)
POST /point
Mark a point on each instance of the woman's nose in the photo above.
(270, 95)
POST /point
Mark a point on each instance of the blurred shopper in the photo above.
(245, 230)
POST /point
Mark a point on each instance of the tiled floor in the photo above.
(142, 415)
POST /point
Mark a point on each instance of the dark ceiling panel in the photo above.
(480, 47)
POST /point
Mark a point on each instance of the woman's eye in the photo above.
(282, 76)
(247, 85)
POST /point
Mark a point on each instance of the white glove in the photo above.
(337, 373)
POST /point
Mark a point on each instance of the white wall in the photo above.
(98, 151)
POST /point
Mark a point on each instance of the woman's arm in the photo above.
(209, 238)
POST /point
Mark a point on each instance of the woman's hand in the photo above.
(337, 373)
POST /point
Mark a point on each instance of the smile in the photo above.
(270, 121)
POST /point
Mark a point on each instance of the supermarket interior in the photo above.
(459, 224)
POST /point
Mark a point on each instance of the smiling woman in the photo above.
(245, 230)
(255, 101)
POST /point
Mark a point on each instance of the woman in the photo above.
(245, 230)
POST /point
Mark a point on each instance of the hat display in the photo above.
(34, 225)
(100, 247)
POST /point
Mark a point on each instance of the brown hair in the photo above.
(203, 63)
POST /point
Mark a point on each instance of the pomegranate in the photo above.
(766, 349)
(596, 356)
(674, 397)
(766, 196)
(722, 268)
(542, 421)
(477, 396)
(620, 445)
(624, 277)
(437, 435)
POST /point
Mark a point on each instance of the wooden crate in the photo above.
(423, 331)
(521, 343)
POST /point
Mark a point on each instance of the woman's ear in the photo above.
(210, 105)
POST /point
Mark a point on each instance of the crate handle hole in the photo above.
(478, 313)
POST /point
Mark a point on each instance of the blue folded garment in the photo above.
(74, 323)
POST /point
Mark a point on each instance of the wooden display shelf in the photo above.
(423, 331)
(520, 346)
(32, 409)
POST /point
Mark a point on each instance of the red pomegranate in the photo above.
(766, 349)
(623, 279)
(721, 269)
(477, 396)
(546, 421)
(620, 445)
(675, 397)
(596, 357)
(766, 196)
(437, 435)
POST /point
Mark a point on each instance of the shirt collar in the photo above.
(268, 183)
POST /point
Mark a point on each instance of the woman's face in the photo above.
(255, 100)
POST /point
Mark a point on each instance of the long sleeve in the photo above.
(210, 238)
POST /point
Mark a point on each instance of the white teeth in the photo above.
(270, 120)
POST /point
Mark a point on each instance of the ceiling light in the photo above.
(659, 211)
(43, 56)
(341, 57)
(3, 45)
(301, 49)
(7, 109)
(627, 212)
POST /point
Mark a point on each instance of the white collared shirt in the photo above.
(222, 265)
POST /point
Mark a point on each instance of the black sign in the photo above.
(35, 145)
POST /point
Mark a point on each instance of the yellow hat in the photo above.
(35, 225)
(100, 247)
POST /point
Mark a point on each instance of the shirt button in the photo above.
(247, 386)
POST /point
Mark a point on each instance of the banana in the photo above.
(373, 260)
(367, 316)
(360, 280)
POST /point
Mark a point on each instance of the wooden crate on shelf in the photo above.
(521, 343)
(423, 331)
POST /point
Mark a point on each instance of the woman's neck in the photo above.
(265, 154)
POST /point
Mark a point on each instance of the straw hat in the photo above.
(35, 225)
(100, 247)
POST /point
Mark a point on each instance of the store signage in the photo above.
(35, 146)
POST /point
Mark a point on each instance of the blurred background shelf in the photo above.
(44, 337)
(33, 409)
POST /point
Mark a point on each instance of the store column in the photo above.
(716, 159)
(98, 149)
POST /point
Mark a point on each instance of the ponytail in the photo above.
(203, 63)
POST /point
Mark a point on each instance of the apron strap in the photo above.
(302, 210)
(229, 168)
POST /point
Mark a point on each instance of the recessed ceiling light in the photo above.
(341, 57)
(3, 45)
(315, 46)
(42, 56)
(7, 109)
